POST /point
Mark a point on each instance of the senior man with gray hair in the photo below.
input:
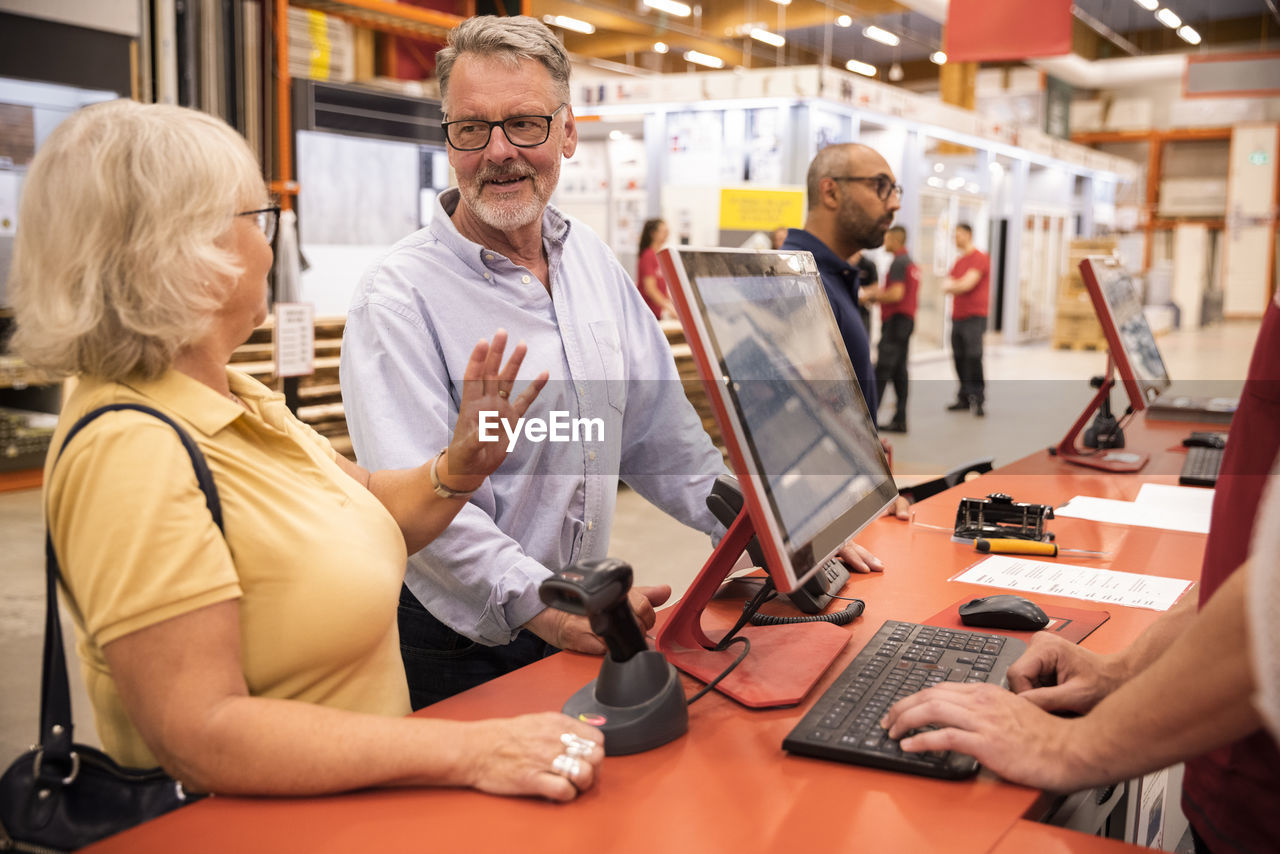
(496, 254)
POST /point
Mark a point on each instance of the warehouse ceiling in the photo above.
(815, 32)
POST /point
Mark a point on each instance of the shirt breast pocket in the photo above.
(614, 374)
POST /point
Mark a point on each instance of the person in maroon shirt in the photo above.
(970, 284)
(649, 278)
(1183, 689)
(897, 299)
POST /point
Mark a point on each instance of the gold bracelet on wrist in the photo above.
(440, 489)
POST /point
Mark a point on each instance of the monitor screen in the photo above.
(1133, 347)
(803, 445)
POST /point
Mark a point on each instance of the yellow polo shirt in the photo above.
(313, 557)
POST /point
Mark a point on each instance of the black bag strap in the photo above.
(55, 693)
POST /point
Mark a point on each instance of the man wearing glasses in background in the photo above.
(852, 199)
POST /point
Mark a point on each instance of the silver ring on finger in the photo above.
(576, 745)
(566, 766)
(580, 751)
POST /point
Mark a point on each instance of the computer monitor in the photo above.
(802, 442)
(1124, 324)
(1136, 355)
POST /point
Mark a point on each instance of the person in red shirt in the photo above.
(897, 299)
(970, 284)
(649, 278)
(1184, 689)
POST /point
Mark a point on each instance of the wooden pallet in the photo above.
(320, 394)
(1079, 344)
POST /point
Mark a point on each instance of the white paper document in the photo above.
(1077, 582)
(1174, 508)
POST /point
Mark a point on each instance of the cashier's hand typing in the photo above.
(1058, 675)
(566, 631)
(545, 754)
(1010, 736)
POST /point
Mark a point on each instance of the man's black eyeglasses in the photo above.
(521, 131)
(883, 183)
(266, 218)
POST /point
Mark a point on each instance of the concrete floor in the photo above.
(1034, 394)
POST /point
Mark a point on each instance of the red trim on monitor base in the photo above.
(1114, 460)
(784, 662)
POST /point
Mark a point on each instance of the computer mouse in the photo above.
(1004, 611)
(1204, 442)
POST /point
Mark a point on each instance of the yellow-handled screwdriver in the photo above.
(1028, 547)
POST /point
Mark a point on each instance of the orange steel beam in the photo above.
(284, 185)
(1155, 152)
(397, 18)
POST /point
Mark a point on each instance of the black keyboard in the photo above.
(1200, 468)
(902, 658)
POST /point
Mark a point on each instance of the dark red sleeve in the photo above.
(648, 265)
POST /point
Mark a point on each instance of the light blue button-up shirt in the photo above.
(415, 318)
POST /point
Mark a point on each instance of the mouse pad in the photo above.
(1070, 624)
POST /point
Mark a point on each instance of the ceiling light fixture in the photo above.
(697, 57)
(564, 22)
(671, 7)
(844, 21)
(883, 36)
(1188, 35)
(1169, 19)
(660, 47)
(783, 2)
(896, 73)
(1149, 5)
(767, 37)
(862, 68)
(938, 57)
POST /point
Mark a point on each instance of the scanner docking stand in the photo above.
(637, 700)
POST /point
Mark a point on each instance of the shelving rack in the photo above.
(1156, 141)
(381, 15)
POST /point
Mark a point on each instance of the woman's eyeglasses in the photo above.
(266, 218)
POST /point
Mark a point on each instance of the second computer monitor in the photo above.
(1124, 324)
(803, 445)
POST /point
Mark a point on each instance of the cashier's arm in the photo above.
(1150, 722)
(964, 284)
(183, 689)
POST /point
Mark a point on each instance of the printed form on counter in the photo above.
(1111, 586)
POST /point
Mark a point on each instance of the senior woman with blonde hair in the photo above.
(265, 660)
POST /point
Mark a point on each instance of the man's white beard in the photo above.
(509, 214)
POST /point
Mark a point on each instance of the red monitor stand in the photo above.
(784, 662)
(1120, 460)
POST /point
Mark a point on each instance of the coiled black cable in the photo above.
(840, 618)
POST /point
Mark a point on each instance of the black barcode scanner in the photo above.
(637, 700)
(597, 590)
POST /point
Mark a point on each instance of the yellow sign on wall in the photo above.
(760, 210)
